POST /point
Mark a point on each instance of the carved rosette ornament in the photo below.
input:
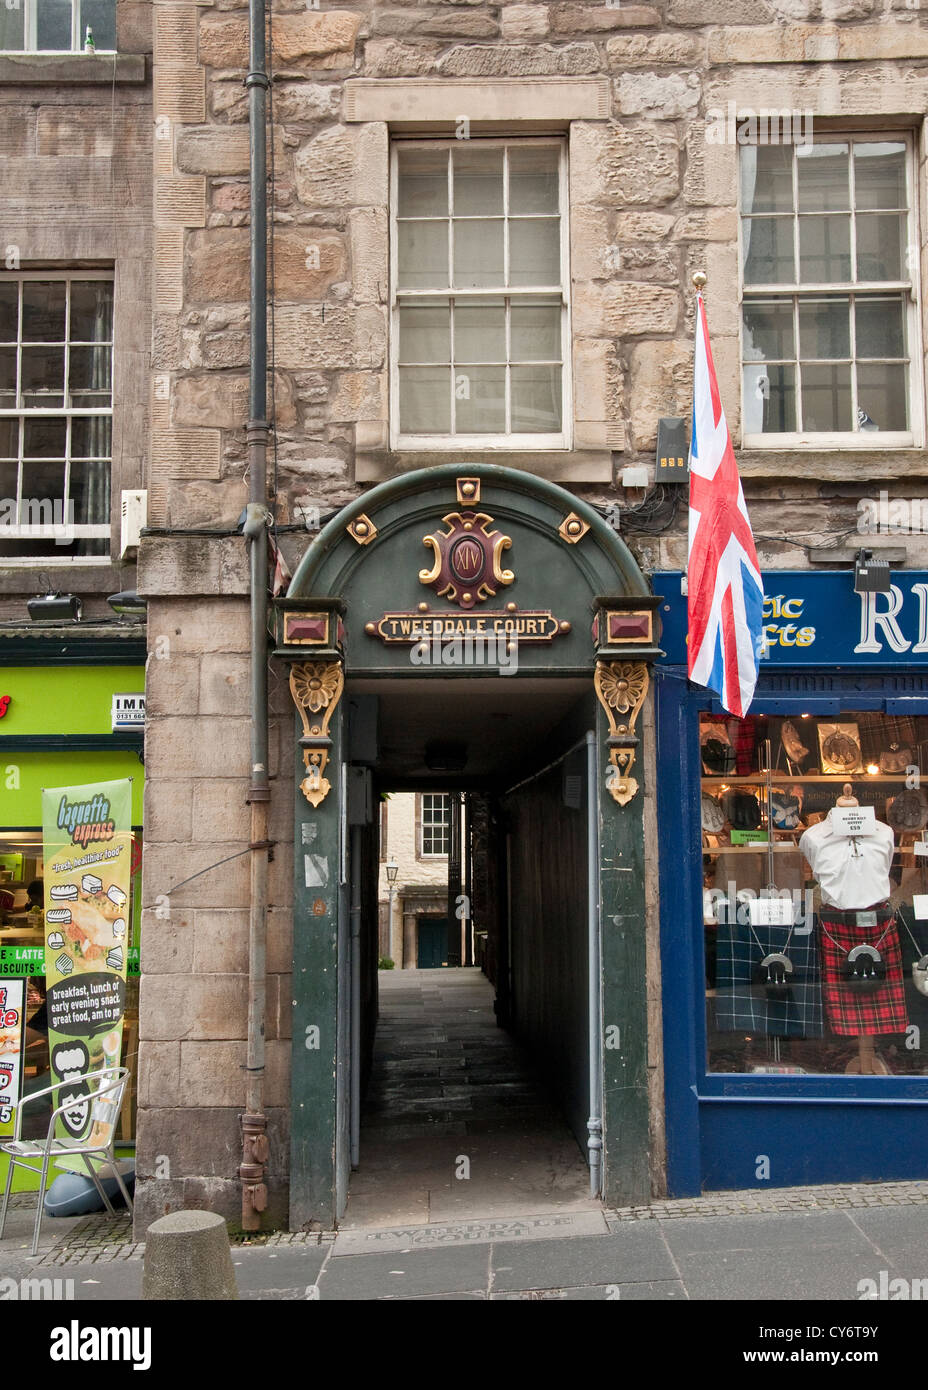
(466, 559)
(621, 687)
(316, 687)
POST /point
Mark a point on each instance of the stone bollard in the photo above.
(187, 1256)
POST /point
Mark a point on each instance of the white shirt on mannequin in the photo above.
(853, 871)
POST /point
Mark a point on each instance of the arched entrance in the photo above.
(473, 628)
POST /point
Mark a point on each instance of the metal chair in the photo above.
(105, 1095)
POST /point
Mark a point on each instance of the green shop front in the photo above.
(474, 630)
(72, 712)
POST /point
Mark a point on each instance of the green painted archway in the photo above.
(402, 554)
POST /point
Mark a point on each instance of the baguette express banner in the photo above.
(88, 864)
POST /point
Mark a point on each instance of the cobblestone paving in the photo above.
(101, 1238)
(781, 1199)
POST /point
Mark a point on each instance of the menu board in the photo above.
(88, 865)
(12, 1030)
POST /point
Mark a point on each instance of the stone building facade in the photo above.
(647, 101)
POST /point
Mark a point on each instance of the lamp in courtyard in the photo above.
(392, 869)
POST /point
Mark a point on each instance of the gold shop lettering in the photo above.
(788, 630)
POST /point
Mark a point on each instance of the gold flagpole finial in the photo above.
(699, 280)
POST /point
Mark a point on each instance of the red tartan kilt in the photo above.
(851, 1011)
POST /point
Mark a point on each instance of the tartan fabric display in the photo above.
(850, 1011)
(741, 1004)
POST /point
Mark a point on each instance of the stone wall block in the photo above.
(159, 1073)
(621, 167)
(168, 808)
(591, 242)
(387, 58)
(520, 60)
(370, 243)
(711, 177)
(300, 103)
(279, 939)
(738, 12)
(168, 865)
(661, 97)
(225, 684)
(569, 19)
(661, 383)
(523, 21)
(323, 39)
(633, 310)
(171, 684)
(221, 809)
(187, 625)
(642, 50)
(343, 167)
(220, 941)
(167, 942)
(458, 24)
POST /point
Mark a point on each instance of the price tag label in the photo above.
(920, 906)
(921, 847)
(853, 820)
(770, 912)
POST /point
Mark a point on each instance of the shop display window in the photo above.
(815, 893)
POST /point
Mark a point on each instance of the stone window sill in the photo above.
(568, 466)
(73, 69)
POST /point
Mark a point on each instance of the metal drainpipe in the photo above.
(595, 1122)
(254, 1120)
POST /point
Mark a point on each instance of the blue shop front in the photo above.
(795, 1012)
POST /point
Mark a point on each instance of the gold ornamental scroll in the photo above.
(621, 687)
(316, 687)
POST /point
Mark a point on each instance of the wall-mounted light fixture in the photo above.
(54, 607)
(871, 576)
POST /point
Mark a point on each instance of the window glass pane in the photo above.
(53, 24)
(8, 373)
(813, 1020)
(479, 331)
(824, 181)
(533, 179)
(43, 486)
(826, 397)
(769, 403)
(824, 328)
(824, 249)
(536, 332)
(9, 438)
(9, 305)
(425, 401)
(767, 178)
(43, 311)
(425, 332)
(90, 493)
(11, 28)
(8, 483)
(422, 183)
(768, 251)
(879, 175)
(101, 16)
(422, 254)
(535, 251)
(43, 376)
(768, 329)
(880, 247)
(880, 327)
(478, 181)
(91, 368)
(881, 394)
(91, 438)
(44, 438)
(91, 311)
(536, 400)
(478, 253)
(480, 400)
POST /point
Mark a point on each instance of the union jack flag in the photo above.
(725, 594)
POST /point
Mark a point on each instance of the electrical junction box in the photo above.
(672, 450)
(134, 517)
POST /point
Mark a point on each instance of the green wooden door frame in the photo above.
(565, 559)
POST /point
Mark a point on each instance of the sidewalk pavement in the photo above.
(786, 1244)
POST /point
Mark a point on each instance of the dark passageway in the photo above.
(448, 1084)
